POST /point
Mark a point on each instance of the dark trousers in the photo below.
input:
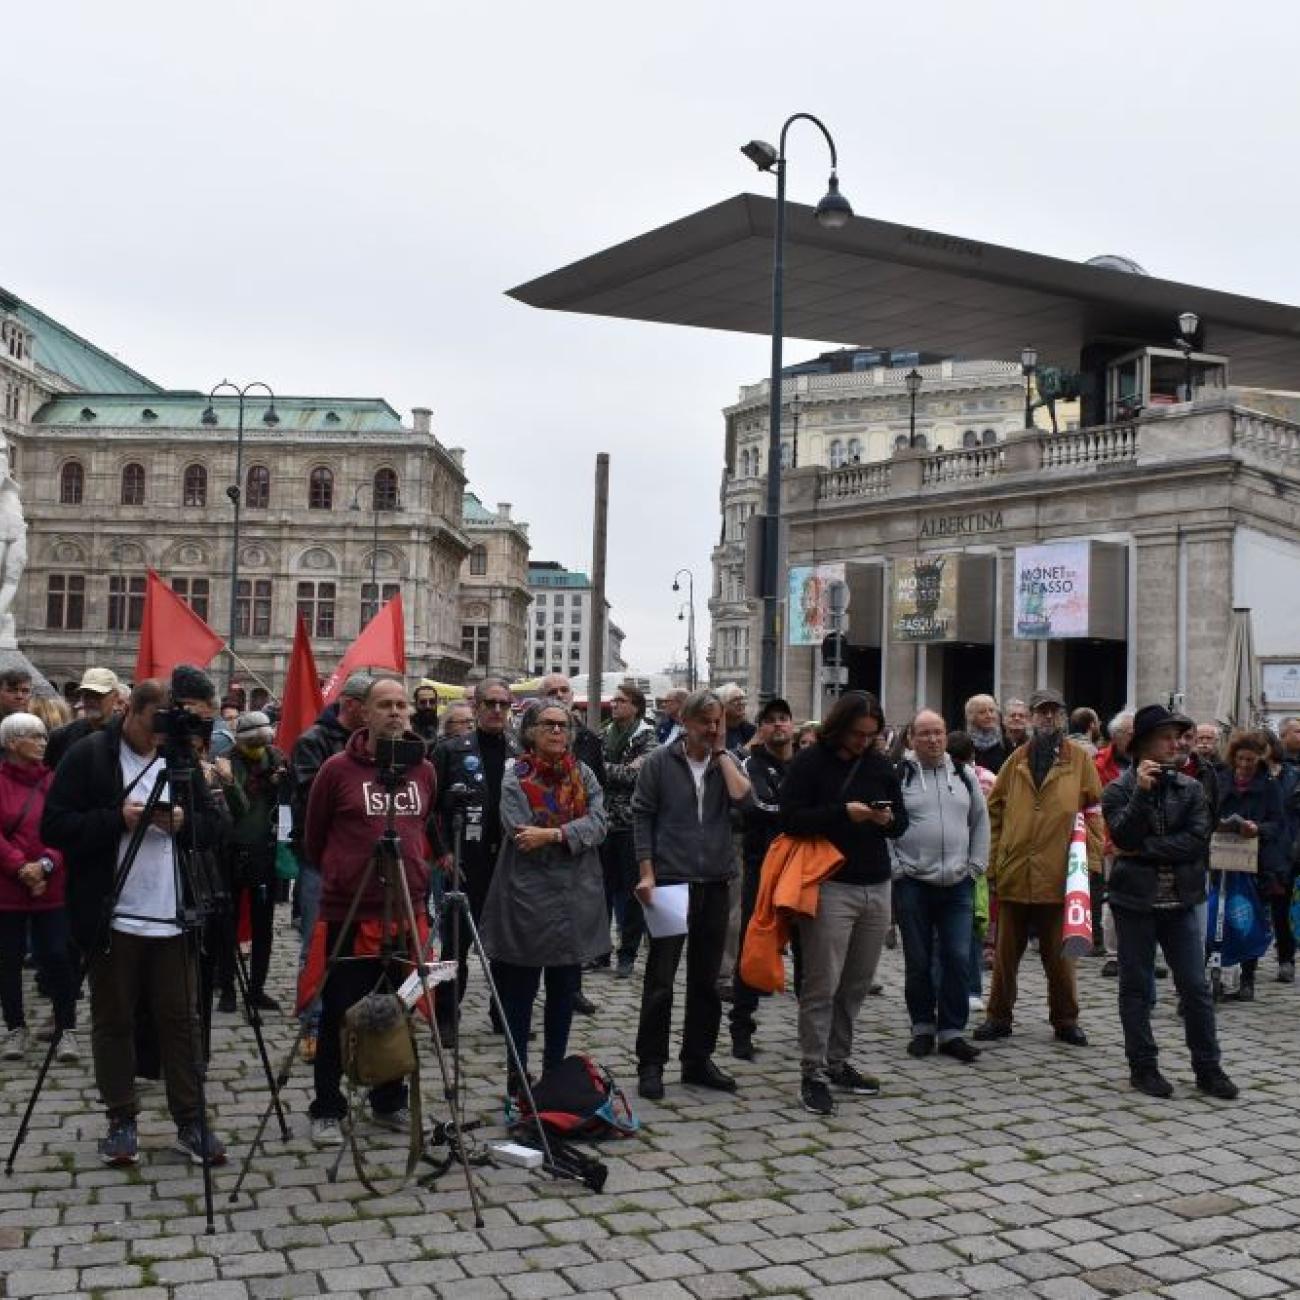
(261, 912)
(162, 972)
(744, 1000)
(1180, 935)
(935, 918)
(49, 935)
(1014, 923)
(349, 980)
(704, 940)
(457, 944)
(517, 987)
(619, 864)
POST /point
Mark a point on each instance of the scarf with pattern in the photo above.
(554, 788)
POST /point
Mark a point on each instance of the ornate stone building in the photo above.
(494, 595)
(342, 506)
(845, 408)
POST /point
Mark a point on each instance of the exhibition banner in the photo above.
(810, 601)
(1052, 591)
(925, 598)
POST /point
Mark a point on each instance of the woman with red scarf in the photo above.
(545, 911)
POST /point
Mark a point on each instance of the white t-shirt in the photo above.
(698, 768)
(150, 886)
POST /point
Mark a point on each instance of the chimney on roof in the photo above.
(503, 509)
(458, 455)
(420, 417)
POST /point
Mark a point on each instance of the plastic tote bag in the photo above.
(1245, 925)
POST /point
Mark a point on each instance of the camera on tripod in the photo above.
(397, 754)
(179, 728)
(467, 802)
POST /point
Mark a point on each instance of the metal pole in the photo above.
(1029, 401)
(771, 523)
(691, 665)
(374, 549)
(596, 636)
(237, 500)
(837, 626)
(794, 441)
(911, 427)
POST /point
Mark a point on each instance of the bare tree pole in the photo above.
(596, 642)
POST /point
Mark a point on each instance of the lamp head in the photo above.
(1188, 323)
(834, 210)
(1028, 359)
(677, 586)
(209, 417)
(270, 418)
(761, 154)
(913, 381)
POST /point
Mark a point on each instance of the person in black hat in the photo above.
(1159, 821)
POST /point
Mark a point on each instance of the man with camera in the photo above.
(470, 769)
(1159, 822)
(381, 771)
(138, 951)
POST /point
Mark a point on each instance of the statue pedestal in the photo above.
(14, 658)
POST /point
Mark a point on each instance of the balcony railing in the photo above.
(856, 481)
(1104, 445)
(1266, 435)
(962, 466)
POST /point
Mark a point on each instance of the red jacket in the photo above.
(345, 820)
(22, 801)
(1108, 769)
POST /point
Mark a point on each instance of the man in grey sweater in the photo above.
(936, 862)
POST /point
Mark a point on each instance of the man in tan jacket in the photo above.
(1032, 808)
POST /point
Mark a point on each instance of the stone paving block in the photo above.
(922, 1286)
(719, 1286)
(1251, 1282)
(40, 1281)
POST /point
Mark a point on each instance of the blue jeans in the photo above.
(930, 917)
(517, 987)
(1180, 934)
(309, 910)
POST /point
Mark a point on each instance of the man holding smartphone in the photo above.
(681, 828)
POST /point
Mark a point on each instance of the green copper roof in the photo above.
(184, 410)
(57, 348)
(475, 512)
(556, 578)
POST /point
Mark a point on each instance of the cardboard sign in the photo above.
(1229, 852)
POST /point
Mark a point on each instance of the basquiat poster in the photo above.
(925, 598)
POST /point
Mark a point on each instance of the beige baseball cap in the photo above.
(99, 681)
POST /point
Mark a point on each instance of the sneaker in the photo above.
(960, 1050)
(1149, 1080)
(395, 1121)
(921, 1045)
(847, 1079)
(625, 969)
(121, 1146)
(975, 1003)
(68, 1050)
(1111, 969)
(308, 1049)
(14, 1047)
(989, 1030)
(816, 1097)
(583, 1005)
(189, 1142)
(1217, 1084)
(326, 1131)
(1246, 993)
(1286, 972)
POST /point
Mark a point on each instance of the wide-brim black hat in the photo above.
(1151, 717)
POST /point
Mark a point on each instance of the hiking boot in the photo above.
(14, 1047)
(68, 1050)
(742, 1047)
(988, 1030)
(190, 1142)
(704, 1074)
(1073, 1035)
(960, 1050)
(816, 1097)
(121, 1145)
(395, 1121)
(326, 1131)
(1149, 1080)
(921, 1045)
(1215, 1083)
(847, 1079)
(1286, 972)
(650, 1082)
(583, 1005)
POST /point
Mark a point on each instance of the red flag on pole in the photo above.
(382, 644)
(171, 633)
(301, 700)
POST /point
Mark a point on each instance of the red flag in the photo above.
(382, 644)
(301, 700)
(171, 633)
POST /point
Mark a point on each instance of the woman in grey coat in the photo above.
(545, 911)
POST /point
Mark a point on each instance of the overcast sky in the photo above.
(334, 197)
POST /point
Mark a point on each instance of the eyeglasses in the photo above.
(495, 704)
(553, 724)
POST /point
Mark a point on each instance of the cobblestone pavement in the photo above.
(1034, 1172)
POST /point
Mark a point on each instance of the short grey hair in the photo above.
(730, 691)
(532, 715)
(18, 726)
(697, 702)
(1123, 719)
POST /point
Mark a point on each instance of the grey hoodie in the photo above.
(947, 836)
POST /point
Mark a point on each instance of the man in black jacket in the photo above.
(91, 812)
(765, 766)
(1160, 825)
(98, 698)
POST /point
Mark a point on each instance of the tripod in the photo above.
(197, 896)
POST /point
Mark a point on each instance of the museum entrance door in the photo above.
(967, 670)
(1096, 674)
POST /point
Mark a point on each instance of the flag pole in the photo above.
(256, 677)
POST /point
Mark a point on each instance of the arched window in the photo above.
(970, 438)
(837, 453)
(989, 437)
(855, 451)
(257, 489)
(195, 486)
(478, 561)
(72, 484)
(133, 484)
(385, 491)
(320, 489)
(900, 442)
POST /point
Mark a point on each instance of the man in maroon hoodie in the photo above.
(346, 816)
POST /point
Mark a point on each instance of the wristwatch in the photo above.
(46, 865)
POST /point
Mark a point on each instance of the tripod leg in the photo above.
(190, 961)
(255, 1023)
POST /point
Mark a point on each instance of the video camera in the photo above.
(178, 729)
(397, 754)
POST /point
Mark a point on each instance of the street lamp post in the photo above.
(690, 626)
(1188, 323)
(374, 543)
(1028, 365)
(794, 433)
(913, 381)
(235, 493)
(832, 212)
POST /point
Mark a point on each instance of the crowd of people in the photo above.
(827, 839)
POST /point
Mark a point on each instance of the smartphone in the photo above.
(880, 804)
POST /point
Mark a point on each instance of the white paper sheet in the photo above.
(666, 914)
(284, 823)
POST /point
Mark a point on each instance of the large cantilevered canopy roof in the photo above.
(877, 284)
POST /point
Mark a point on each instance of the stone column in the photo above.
(1017, 660)
(1209, 616)
(1155, 597)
